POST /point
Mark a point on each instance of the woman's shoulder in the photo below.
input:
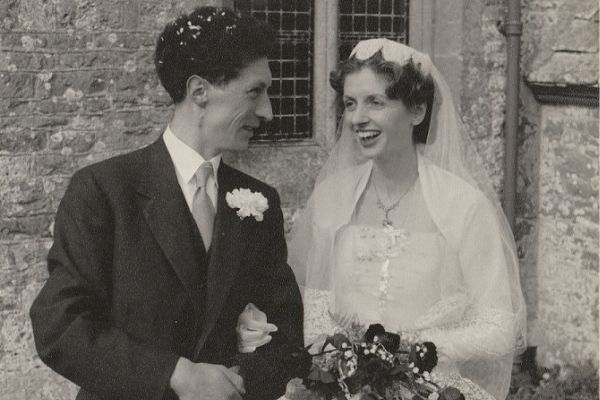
(456, 205)
(458, 195)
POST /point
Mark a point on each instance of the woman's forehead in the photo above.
(365, 81)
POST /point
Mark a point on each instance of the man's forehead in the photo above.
(257, 71)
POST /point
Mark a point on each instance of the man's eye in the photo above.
(348, 104)
(255, 92)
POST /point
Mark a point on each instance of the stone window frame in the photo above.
(426, 33)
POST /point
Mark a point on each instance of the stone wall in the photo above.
(77, 85)
(558, 179)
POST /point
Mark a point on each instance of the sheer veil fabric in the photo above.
(479, 323)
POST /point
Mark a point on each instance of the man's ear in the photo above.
(197, 89)
(418, 114)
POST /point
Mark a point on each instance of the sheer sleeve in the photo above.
(489, 321)
(488, 308)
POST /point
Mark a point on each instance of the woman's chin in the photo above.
(371, 152)
(372, 148)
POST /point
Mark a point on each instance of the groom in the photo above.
(157, 252)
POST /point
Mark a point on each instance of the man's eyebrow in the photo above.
(260, 84)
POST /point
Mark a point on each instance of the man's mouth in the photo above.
(250, 129)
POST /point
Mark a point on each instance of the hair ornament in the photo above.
(392, 51)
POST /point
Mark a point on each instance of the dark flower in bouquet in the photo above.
(423, 356)
(376, 334)
(375, 367)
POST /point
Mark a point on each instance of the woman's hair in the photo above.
(406, 83)
(213, 43)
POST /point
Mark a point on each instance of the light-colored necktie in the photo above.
(202, 207)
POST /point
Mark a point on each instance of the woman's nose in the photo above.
(359, 116)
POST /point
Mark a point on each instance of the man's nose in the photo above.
(264, 110)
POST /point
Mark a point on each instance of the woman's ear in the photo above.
(418, 114)
(197, 90)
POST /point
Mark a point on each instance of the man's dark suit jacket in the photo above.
(131, 288)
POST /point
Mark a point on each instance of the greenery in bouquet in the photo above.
(377, 366)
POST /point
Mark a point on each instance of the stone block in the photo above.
(568, 68)
(55, 164)
(25, 198)
(72, 141)
(38, 226)
(14, 168)
(14, 107)
(17, 139)
(17, 84)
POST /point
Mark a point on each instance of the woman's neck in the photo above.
(394, 175)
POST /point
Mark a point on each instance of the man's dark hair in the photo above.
(405, 82)
(213, 43)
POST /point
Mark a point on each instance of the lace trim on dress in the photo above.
(317, 317)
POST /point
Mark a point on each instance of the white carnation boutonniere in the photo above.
(248, 203)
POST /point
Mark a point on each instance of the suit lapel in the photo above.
(229, 243)
(168, 216)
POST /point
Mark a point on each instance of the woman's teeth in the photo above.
(366, 135)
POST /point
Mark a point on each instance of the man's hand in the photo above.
(253, 330)
(199, 381)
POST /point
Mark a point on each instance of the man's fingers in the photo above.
(250, 347)
(236, 380)
(255, 325)
(251, 336)
(235, 369)
(256, 341)
(263, 341)
(246, 349)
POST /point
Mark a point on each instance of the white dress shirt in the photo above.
(187, 161)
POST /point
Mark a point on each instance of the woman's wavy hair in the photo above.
(405, 82)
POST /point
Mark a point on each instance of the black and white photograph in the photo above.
(299, 200)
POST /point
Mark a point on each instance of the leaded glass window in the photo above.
(291, 88)
(367, 19)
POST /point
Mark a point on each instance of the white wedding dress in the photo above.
(439, 275)
(447, 273)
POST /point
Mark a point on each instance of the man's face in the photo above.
(235, 109)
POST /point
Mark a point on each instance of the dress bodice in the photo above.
(388, 275)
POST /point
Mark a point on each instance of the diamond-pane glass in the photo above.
(290, 92)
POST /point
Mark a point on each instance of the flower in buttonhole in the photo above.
(248, 203)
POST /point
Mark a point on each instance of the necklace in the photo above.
(387, 222)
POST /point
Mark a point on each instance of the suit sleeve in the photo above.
(71, 315)
(266, 371)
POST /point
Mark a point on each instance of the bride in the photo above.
(403, 227)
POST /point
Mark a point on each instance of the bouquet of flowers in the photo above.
(374, 367)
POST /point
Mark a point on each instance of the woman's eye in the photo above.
(348, 104)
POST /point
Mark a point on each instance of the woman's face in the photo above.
(381, 126)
